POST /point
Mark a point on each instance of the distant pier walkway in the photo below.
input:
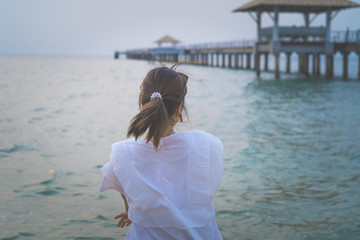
(242, 54)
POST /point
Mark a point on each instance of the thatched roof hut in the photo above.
(311, 6)
(167, 39)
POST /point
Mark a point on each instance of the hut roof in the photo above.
(295, 5)
(167, 39)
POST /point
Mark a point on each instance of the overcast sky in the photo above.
(99, 27)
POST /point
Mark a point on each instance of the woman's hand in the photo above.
(124, 220)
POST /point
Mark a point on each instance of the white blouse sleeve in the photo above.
(216, 164)
(110, 181)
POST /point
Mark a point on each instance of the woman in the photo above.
(168, 179)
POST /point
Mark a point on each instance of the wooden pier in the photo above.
(305, 41)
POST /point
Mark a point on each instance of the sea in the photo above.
(291, 158)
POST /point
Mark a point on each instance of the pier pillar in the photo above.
(288, 62)
(277, 73)
(266, 63)
(212, 59)
(306, 64)
(329, 66)
(248, 61)
(316, 64)
(236, 61)
(217, 59)
(229, 60)
(345, 65)
(359, 66)
(301, 63)
(242, 61)
(257, 64)
(223, 60)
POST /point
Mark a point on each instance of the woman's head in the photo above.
(161, 101)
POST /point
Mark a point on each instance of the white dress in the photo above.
(169, 191)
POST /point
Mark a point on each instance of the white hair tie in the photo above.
(155, 95)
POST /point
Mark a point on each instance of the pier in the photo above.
(307, 41)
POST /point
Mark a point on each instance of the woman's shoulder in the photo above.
(202, 134)
(116, 146)
(213, 140)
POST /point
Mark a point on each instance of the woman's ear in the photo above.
(179, 110)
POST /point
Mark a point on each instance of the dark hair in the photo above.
(156, 113)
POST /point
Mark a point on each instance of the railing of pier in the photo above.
(221, 45)
(345, 36)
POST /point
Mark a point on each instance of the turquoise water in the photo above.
(291, 161)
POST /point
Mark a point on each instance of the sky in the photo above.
(100, 27)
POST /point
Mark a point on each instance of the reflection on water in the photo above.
(291, 148)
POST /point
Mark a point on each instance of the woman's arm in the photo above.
(125, 202)
(124, 220)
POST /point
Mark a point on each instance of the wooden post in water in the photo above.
(329, 66)
(217, 59)
(316, 64)
(223, 60)
(257, 64)
(266, 63)
(329, 56)
(276, 41)
(317, 60)
(306, 64)
(229, 60)
(256, 52)
(212, 59)
(242, 61)
(359, 66)
(288, 62)
(277, 73)
(236, 61)
(301, 63)
(345, 65)
(248, 61)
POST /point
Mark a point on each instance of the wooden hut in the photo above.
(165, 53)
(167, 39)
(302, 40)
